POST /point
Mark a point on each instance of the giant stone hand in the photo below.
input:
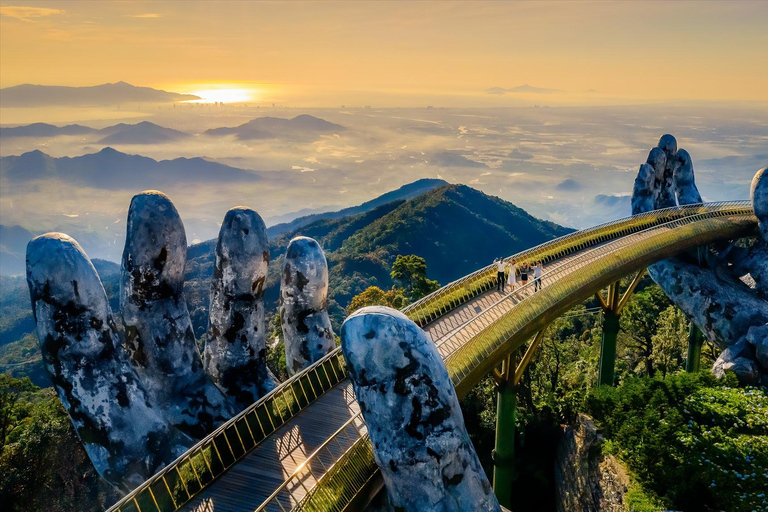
(413, 416)
(138, 396)
(727, 295)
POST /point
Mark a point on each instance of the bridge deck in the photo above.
(251, 482)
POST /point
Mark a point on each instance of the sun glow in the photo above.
(224, 95)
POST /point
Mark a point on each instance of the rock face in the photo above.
(124, 433)
(714, 296)
(303, 304)
(159, 337)
(235, 350)
(586, 480)
(414, 421)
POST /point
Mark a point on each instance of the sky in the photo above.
(550, 105)
(322, 54)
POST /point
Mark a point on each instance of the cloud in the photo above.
(145, 15)
(525, 88)
(454, 159)
(25, 13)
(519, 155)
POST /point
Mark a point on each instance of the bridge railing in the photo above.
(185, 477)
(454, 294)
(496, 326)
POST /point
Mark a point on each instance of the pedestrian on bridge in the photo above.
(537, 276)
(512, 275)
(500, 276)
(524, 274)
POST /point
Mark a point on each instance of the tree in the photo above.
(638, 325)
(375, 296)
(669, 340)
(411, 273)
(10, 391)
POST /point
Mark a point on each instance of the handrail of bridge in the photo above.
(502, 332)
(182, 479)
(454, 294)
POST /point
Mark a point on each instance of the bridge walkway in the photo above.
(251, 482)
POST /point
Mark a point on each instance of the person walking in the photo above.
(500, 277)
(537, 276)
(524, 274)
(512, 276)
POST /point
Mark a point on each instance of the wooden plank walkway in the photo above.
(251, 481)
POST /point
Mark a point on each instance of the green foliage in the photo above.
(638, 326)
(11, 411)
(697, 442)
(411, 272)
(276, 351)
(375, 296)
(670, 341)
(43, 466)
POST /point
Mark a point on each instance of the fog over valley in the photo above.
(572, 165)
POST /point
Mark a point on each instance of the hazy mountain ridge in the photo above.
(111, 169)
(31, 95)
(273, 127)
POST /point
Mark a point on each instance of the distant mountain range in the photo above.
(457, 229)
(111, 169)
(274, 127)
(29, 95)
(139, 133)
(300, 127)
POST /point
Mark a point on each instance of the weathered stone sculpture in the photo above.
(159, 336)
(414, 421)
(124, 433)
(303, 304)
(715, 297)
(235, 350)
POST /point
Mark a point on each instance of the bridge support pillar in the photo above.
(506, 416)
(612, 307)
(695, 341)
(605, 374)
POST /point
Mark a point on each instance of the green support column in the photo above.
(504, 451)
(695, 341)
(608, 348)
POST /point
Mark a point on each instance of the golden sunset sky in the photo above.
(321, 53)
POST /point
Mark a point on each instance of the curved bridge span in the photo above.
(304, 446)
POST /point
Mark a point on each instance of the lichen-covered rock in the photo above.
(413, 417)
(643, 194)
(304, 317)
(685, 183)
(159, 336)
(124, 433)
(723, 310)
(738, 358)
(235, 350)
(714, 296)
(586, 479)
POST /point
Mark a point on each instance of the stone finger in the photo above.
(304, 317)
(235, 350)
(413, 416)
(125, 435)
(159, 335)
